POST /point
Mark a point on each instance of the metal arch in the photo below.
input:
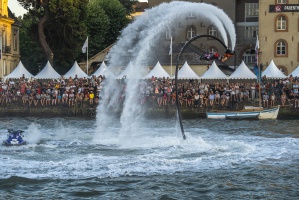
(176, 75)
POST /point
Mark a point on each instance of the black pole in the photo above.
(176, 75)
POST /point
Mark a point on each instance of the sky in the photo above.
(18, 10)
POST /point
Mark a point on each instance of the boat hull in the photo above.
(7, 143)
(245, 114)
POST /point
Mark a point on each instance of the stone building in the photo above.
(9, 39)
(278, 33)
(275, 21)
(244, 15)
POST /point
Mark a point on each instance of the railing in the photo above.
(246, 40)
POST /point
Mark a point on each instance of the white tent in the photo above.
(295, 72)
(19, 71)
(104, 71)
(75, 70)
(158, 72)
(214, 73)
(186, 72)
(273, 72)
(128, 72)
(47, 73)
(243, 72)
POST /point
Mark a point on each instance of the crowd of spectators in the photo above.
(196, 94)
(71, 91)
(157, 92)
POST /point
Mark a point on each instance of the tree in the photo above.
(97, 23)
(60, 26)
(40, 8)
(129, 5)
(31, 52)
(117, 16)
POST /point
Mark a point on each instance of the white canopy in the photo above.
(104, 71)
(19, 71)
(128, 72)
(295, 72)
(186, 72)
(47, 73)
(75, 70)
(243, 72)
(273, 72)
(214, 73)
(157, 71)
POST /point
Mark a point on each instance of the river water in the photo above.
(70, 159)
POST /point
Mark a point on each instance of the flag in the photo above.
(85, 46)
(257, 46)
(170, 47)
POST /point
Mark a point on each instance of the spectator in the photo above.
(266, 100)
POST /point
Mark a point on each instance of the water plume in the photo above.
(140, 43)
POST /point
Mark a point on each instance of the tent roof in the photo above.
(273, 72)
(295, 72)
(243, 72)
(186, 72)
(75, 70)
(157, 71)
(47, 73)
(128, 72)
(213, 73)
(19, 71)
(103, 70)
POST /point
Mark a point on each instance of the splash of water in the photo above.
(33, 134)
(139, 43)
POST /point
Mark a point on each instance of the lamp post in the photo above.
(227, 52)
(39, 66)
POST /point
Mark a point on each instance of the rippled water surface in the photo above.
(70, 159)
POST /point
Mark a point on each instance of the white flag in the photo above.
(85, 45)
(257, 46)
(170, 48)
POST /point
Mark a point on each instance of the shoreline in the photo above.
(84, 110)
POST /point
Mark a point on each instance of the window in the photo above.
(281, 23)
(190, 32)
(15, 40)
(281, 1)
(251, 31)
(248, 58)
(251, 9)
(283, 69)
(212, 31)
(281, 48)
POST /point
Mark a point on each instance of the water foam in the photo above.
(139, 43)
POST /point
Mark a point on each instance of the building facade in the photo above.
(279, 33)
(276, 22)
(189, 26)
(9, 40)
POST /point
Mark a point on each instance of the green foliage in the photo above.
(31, 52)
(118, 19)
(65, 31)
(128, 5)
(68, 25)
(97, 27)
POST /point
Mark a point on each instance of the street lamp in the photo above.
(39, 66)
